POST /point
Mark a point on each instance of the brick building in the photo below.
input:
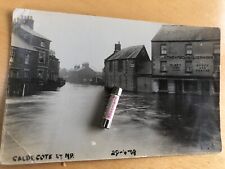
(128, 68)
(186, 60)
(31, 63)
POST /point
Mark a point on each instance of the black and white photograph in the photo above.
(63, 67)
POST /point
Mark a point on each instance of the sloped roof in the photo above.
(32, 32)
(186, 33)
(126, 53)
(16, 41)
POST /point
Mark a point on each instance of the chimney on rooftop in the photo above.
(117, 47)
(25, 20)
(85, 65)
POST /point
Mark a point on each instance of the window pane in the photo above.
(188, 66)
(188, 49)
(216, 49)
(27, 58)
(26, 74)
(42, 44)
(163, 66)
(40, 74)
(41, 57)
(12, 54)
(163, 49)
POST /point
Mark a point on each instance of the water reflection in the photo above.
(191, 120)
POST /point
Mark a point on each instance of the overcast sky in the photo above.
(82, 38)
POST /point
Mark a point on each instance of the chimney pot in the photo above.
(117, 47)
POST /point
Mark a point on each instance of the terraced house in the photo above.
(32, 64)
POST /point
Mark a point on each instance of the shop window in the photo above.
(188, 49)
(41, 57)
(27, 59)
(188, 66)
(120, 65)
(163, 49)
(163, 66)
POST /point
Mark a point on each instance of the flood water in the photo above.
(68, 120)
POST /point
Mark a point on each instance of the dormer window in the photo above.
(188, 49)
(42, 44)
(163, 49)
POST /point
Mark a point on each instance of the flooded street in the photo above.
(68, 120)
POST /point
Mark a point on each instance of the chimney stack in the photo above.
(25, 20)
(117, 47)
(85, 65)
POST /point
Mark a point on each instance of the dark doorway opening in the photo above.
(205, 87)
(190, 86)
(163, 86)
(178, 86)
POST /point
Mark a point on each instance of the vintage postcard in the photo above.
(62, 67)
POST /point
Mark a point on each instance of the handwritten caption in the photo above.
(64, 156)
(123, 152)
(43, 157)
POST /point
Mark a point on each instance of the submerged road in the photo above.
(68, 120)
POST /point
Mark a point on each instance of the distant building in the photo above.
(32, 64)
(82, 74)
(186, 60)
(129, 68)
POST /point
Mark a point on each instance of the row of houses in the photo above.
(33, 66)
(184, 59)
(84, 74)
